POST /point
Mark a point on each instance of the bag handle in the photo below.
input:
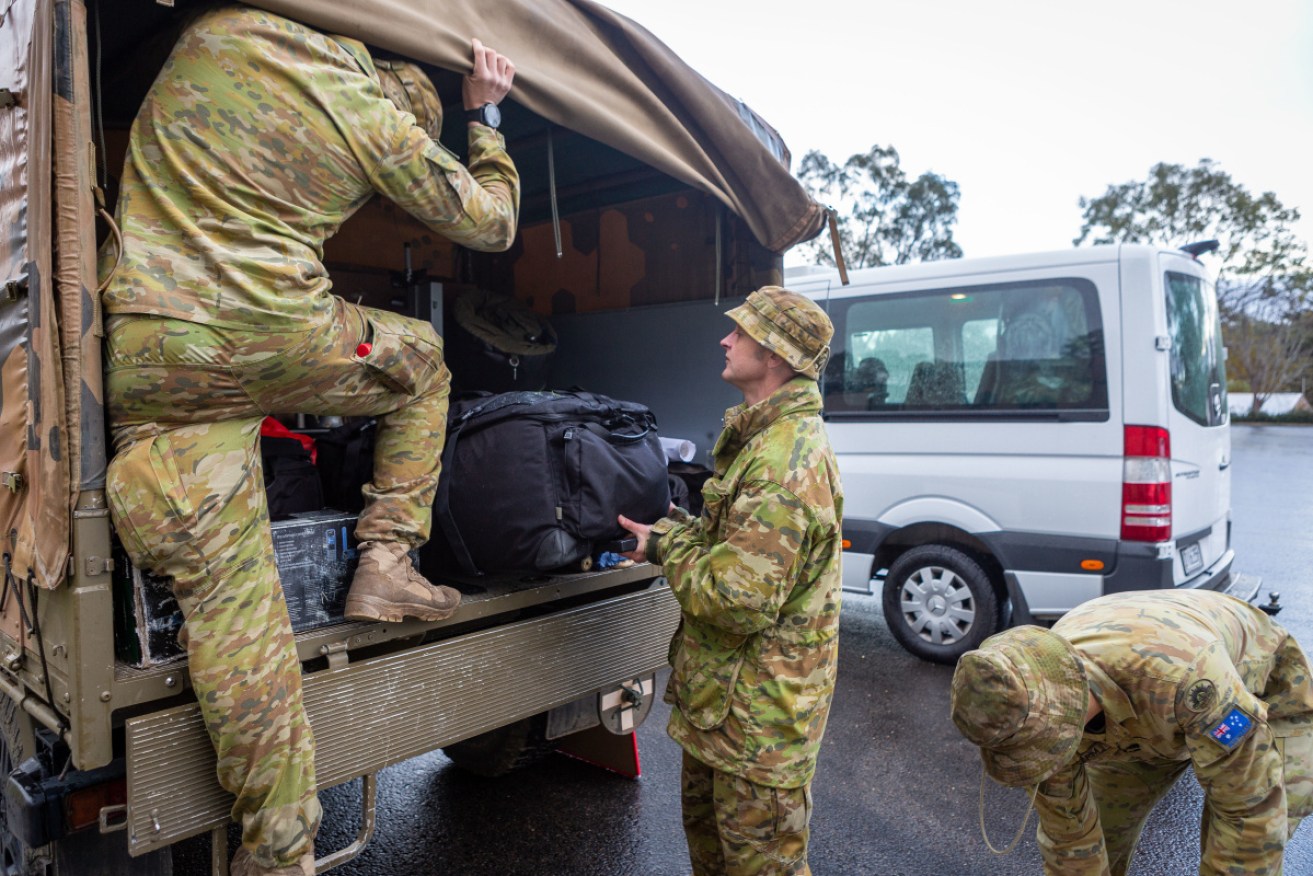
(612, 425)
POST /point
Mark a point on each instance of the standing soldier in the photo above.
(1102, 714)
(758, 580)
(256, 142)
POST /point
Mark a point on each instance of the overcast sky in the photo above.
(1027, 105)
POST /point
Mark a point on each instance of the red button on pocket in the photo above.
(363, 350)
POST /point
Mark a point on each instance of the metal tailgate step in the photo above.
(384, 710)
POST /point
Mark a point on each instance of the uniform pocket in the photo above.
(1297, 775)
(404, 354)
(706, 671)
(148, 501)
(770, 821)
(715, 494)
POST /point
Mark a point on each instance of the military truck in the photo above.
(651, 202)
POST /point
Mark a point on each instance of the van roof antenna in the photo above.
(1201, 247)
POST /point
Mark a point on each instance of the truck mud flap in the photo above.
(380, 711)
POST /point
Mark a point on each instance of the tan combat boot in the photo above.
(244, 865)
(386, 587)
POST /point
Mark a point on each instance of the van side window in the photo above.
(1198, 363)
(1018, 349)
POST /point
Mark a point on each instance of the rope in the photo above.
(1020, 830)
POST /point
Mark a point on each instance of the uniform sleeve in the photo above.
(476, 206)
(1069, 834)
(738, 583)
(1239, 767)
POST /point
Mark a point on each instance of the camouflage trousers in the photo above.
(1126, 792)
(738, 828)
(186, 494)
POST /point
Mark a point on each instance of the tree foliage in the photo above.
(1264, 280)
(884, 217)
(1263, 264)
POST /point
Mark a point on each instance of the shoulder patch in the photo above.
(1201, 696)
(1233, 728)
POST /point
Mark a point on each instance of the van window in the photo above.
(1024, 349)
(1198, 368)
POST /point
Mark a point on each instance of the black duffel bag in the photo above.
(533, 481)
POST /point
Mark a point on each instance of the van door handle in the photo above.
(1224, 465)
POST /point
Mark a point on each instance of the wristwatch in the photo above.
(488, 114)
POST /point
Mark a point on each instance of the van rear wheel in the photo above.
(939, 603)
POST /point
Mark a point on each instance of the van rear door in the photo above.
(1197, 420)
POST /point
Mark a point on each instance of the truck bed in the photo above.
(548, 644)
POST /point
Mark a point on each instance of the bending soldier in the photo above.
(758, 581)
(256, 142)
(1103, 713)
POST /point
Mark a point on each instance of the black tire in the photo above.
(939, 603)
(503, 750)
(16, 859)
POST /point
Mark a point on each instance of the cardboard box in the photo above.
(316, 556)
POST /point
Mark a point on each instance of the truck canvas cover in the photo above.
(581, 65)
(35, 496)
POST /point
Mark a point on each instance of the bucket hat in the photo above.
(790, 325)
(1022, 698)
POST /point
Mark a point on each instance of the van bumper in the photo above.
(1137, 567)
(1140, 568)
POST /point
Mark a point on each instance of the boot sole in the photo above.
(365, 608)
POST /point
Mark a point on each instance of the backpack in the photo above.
(533, 481)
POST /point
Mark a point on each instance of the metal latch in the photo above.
(13, 289)
(113, 818)
(7, 98)
(11, 479)
(1162, 342)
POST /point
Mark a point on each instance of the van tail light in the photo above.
(1147, 485)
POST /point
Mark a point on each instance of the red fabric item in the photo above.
(274, 429)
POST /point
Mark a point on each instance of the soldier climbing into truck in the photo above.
(258, 139)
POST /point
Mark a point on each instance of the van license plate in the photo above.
(1192, 557)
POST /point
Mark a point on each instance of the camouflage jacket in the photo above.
(1172, 672)
(259, 138)
(758, 579)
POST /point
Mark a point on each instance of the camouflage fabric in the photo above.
(257, 141)
(737, 828)
(758, 580)
(1191, 678)
(790, 325)
(1022, 697)
(411, 91)
(186, 493)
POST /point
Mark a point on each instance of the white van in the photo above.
(1018, 435)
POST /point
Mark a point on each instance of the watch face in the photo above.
(491, 115)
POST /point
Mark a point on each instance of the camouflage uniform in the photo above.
(754, 659)
(1191, 678)
(257, 141)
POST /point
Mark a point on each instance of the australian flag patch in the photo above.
(1234, 727)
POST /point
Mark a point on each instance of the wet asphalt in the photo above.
(896, 792)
